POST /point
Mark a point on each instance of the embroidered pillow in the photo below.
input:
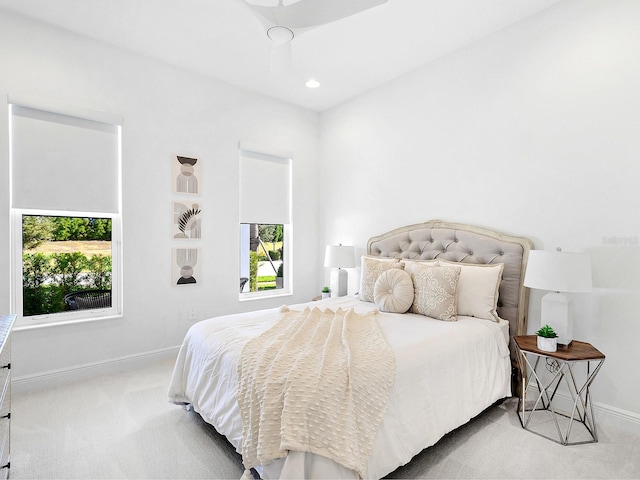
(435, 292)
(478, 289)
(371, 268)
(393, 291)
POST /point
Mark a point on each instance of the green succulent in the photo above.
(546, 332)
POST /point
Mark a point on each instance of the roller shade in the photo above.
(62, 162)
(265, 188)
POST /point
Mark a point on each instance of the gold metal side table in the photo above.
(542, 374)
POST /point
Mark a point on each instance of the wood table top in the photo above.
(577, 351)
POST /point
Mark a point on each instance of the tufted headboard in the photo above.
(458, 242)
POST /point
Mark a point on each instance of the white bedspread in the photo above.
(446, 373)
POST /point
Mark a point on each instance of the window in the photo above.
(65, 202)
(265, 225)
(66, 263)
(264, 245)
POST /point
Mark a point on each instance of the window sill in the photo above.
(37, 326)
(247, 297)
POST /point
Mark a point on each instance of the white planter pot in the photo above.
(326, 295)
(547, 344)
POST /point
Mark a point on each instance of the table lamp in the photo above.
(560, 272)
(339, 257)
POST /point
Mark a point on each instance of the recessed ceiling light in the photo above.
(312, 83)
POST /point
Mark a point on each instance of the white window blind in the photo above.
(265, 188)
(63, 162)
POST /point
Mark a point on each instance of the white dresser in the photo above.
(6, 324)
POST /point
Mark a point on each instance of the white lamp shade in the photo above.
(558, 271)
(339, 256)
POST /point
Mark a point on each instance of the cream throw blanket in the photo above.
(318, 381)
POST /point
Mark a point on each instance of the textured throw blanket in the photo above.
(318, 381)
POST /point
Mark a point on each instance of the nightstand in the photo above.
(539, 408)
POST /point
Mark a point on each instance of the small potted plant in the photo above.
(326, 292)
(547, 339)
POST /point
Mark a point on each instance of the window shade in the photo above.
(62, 162)
(265, 188)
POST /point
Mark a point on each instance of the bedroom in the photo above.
(531, 130)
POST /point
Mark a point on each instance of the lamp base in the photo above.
(339, 282)
(556, 313)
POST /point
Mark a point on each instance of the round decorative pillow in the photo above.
(393, 291)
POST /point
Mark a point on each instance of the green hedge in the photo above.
(46, 279)
(253, 271)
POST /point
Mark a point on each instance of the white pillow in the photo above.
(393, 291)
(436, 291)
(371, 268)
(478, 287)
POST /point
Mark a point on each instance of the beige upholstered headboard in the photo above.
(467, 244)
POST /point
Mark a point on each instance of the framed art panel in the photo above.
(186, 175)
(187, 220)
(185, 266)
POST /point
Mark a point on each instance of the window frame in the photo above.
(66, 317)
(287, 230)
(16, 213)
(287, 285)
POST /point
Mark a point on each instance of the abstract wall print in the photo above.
(186, 177)
(185, 270)
(187, 222)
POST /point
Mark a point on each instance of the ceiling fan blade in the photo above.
(304, 14)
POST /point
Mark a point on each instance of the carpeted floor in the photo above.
(122, 426)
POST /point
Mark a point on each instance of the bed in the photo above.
(444, 372)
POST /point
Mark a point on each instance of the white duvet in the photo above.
(446, 373)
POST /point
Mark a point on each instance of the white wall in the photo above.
(166, 112)
(533, 131)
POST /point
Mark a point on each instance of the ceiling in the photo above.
(223, 39)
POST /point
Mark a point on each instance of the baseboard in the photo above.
(53, 378)
(617, 418)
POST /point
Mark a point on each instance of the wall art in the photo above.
(187, 175)
(186, 266)
(187, 221)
